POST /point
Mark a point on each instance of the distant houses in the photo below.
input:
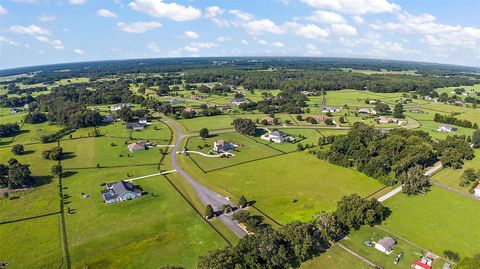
(15, 110)
(238, 101)
(109, 118)
(385, 245)
(137, 146)
(321, 118)
(417, 111)
(385, 120)
(424, 263)
(369, 111)
(221, 146)
(275, 136)
(175, 102)
(446, 128)
(327, 109)
(120, 106)
(136, 126)
(268, 120)
(120, 191)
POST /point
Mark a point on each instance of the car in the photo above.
(368, 243)
(397, 259)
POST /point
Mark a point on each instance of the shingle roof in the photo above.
(387, 242)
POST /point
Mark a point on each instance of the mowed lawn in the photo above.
(439, 220)
(335, 258)
(288, 187)
(211, 123)
(157, 229)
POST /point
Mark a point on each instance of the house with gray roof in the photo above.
(385, 245)
(120, 191)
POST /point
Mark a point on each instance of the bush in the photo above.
(18, 149)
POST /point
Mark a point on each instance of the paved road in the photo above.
(207, 196)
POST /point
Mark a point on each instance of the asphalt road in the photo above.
(207, 196)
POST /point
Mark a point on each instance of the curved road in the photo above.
(207, 196)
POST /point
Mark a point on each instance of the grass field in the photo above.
(439, 220)
(211, 123)
(313, 185)
(335, 258)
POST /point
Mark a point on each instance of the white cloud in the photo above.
(138, 27)
(310, 31)
(278, 44)
(221, 23)
(28, 30)
(3, 10)
(244, 42)
(153, 47)
(354, 6)
(241, 15)
(343, 29)
(77, 2)
(358, 20)
(257, 27)
(7, 40)
(106, 13)
(223, 38)
(213, 11)
(328, 17)
(173, 11)
(46, 18)
(78, 51)
(57, 44)
(312, 50)
(191, 35)
(262, 42)
(203, 45)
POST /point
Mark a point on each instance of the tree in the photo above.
(452, 255)
(204, 133)
(476, 138)
(398, 111)
(209, 213)
(414, 181)
(354, 211)
(57, 170)
(218, 259)
(469, 262)
(242, 202)
(19, 175)
(244, 126)
(304, 238)
(126, 114)
(329, 226)
(382, 108)
(55, 153)
(35, 117)
(18, 149)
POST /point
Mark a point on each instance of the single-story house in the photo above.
(135, 126)
(307, 93)
(385, 245)
(420, 265)
(372, 102)
(189, 109)
(222, 146)
(268, 120)
(446, 128)
(143, 121)
(447, 265)
(367, 111)
(384, 120)
(477, 190)
(238, 101)
(120, 191)
(175, 101)
(109, 118)
(137, 146)
(417, 111)
(15, 110)
(276, 136)
(403, 102)
(327, 109)
(321, 118)
(119, 106)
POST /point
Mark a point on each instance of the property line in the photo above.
(359, 256)
(63, 223)
(250, 161)
(268, 217)
(29, 218)
(151, 175)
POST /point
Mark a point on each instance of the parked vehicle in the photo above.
(397, 259)
(368, 243)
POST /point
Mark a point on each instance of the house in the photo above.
(385, 245)
(384, 120)
(403, 102)
(143, 121)
(307, 93)
(417, 111)
(447, 265)
(135, 126)
(327, 109)
(222, 146)
(15, 110)
(372, 102)
(477, 190)
(367, 111)
(446, 128)
(189, 109)
(276, 136)
(268, 120)
(120, 191)
(420, 265)
(109, 118)
(321, 118)
(26, 106)
(238, 101)
(137, 146)
(175, 101)
(120, 106)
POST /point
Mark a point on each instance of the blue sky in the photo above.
(34, 32)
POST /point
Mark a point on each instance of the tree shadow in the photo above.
(27, 152)
(259, 132)
(68, 155)
(68, 174)
(41, 180)
(386, 213)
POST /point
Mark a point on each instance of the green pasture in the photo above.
(335, 258)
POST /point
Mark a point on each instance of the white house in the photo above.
(446, 128)
(222, 146)
(477, 190)
(367, 111)
(276, 136)
(120, 191)
(385, 245)
(119, 106)
(137, 146)
(327, 109)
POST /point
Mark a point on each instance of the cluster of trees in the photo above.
(454, 121)
(56, 136)
(35, 117)
(244, 126)
(15, 175)
(398, 154)
(469, 177)
(295, 242)
(218, 89)
(127, 114)
(15, 101)
(55, 153)
(9, 129)
(398, 111)
(18, 149)
(476, 138)
(285, 101)
(14, 89)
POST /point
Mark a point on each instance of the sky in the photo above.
(37, 32)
